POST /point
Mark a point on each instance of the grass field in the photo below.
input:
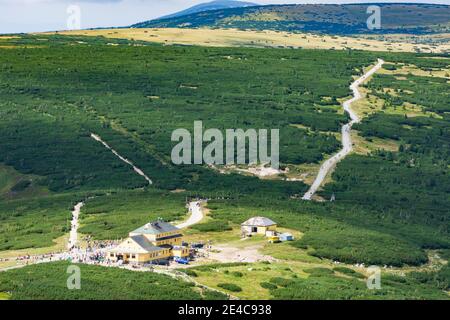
(114, 216)
(16, 185)
(297, 280)
(260, 39)
(344, 19)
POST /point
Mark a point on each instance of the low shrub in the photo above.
(319, 271)
(349, 272)
(230, 287)
(268, 285)
(190, 273)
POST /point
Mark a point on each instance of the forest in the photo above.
(391, 208)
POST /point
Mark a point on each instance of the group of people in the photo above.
(30, 259)
(94, 253)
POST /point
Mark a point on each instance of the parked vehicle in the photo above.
(286, 237)
(163, 262)
(273, 239)
(181, 260)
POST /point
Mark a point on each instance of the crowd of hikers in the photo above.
(94, 253)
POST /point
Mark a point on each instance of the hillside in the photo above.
(213, 5)
(333, 19)
(391, 196)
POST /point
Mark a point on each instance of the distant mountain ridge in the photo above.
(209, 6)
(321, 18)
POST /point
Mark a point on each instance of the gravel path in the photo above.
(346, 133)
(196, 210)
(73, 235)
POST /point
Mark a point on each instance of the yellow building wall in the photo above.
(162, 254)
(182, 252)
(142, 257)
(128, 246)
(173, 242)
(155, 237)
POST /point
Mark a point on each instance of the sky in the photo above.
(50, 15)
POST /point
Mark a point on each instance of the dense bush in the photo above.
(349, 272)
(21, 185)
(230, 287)
(318, 271)
(334, 287)
(237, 274)
(268, 285)
(190, 272)
(99, 283)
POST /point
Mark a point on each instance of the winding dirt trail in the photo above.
(347, 146)
(196, 216)
(73, 235)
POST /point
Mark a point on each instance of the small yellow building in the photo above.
(157, 240)
(259, 225)
(180, 251)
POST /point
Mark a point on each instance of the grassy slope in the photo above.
(350, 231)
(232, 37)
(334, 19)
(114, 216)
(98, 283)
(16, 185)
(291, 280)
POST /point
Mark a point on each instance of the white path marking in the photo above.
(347, 146)
(136, 169)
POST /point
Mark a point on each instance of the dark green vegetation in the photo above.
(211, 5)
(389, 208)
(129, 97)
(14, 185)
(412, 186)
(351, 234)
(216, 226)
(429, 92)
(49, 282)
(328, 286)
(334, 19)
(349, 272)
(230, 287)
(34, 222)
(51, 100)
(115, 215)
